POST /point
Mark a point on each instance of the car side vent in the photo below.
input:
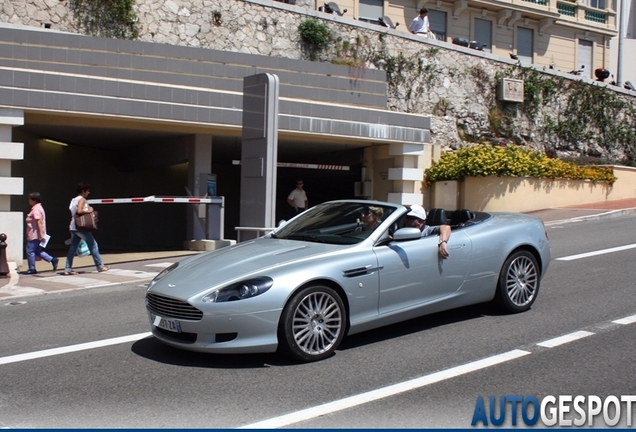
(359, 271)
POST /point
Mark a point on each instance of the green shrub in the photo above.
(112, 18)
(510, 161)
(314, 33)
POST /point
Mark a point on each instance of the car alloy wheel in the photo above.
(518, 282)
(313, 324)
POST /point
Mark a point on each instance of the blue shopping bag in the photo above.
(82, 249)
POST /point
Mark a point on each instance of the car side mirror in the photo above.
(407, 233)
(281, 223)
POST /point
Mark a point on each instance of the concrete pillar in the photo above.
(11, 223)
(407, 173)
(199, 162)
(259, 152)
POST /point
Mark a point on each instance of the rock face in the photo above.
(454, 85)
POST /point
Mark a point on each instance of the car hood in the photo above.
(220, 267)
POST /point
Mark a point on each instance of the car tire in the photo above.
(519, 281)
(312, 324)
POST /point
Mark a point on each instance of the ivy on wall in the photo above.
(106, 18)
(586, 113)
(594, 113)
(570, 113)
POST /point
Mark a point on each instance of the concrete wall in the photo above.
(525, 194)
(11, 222)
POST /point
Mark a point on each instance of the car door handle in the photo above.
(457, 246)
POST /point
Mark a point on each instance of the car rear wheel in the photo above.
(518, 284)
(312, 324)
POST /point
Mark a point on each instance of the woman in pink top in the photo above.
(36, 233)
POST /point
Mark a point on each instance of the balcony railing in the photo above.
(566, 9)
(573, 10)
(539, 2)
(598, 17)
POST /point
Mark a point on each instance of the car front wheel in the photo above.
(518, 284)
(312, 324)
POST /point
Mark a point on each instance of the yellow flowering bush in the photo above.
(510, 161)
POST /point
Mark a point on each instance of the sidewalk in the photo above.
(141, 267)
(127, 267)
(602, 210)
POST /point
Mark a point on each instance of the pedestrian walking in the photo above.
(298, 198)
(79, 206)
(36, 236)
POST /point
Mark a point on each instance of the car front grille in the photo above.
(173, 308)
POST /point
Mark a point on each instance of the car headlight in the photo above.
(240, 290)
(163, 273)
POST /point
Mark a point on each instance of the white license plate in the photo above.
(166, 324)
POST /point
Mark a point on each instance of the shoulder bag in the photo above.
(86, 221)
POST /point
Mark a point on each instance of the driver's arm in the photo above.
(444, 235)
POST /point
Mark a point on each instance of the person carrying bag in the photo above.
(83, 224)
(87, 221)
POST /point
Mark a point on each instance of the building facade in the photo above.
(560, 34)
(139, 118)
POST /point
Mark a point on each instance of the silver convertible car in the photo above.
(326, 274)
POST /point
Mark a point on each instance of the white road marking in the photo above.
(385, 392)
(161, 265)
(598, 252)
(627, 320)
(78, 281)
(133, 273)
(73, 348)
(17, 290)
(551, 343)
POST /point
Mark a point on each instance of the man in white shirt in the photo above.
(419, 25)
(298, 198)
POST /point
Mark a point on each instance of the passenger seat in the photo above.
(436, 216)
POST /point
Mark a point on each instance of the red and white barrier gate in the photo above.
(305, 166)
(156, 199)
(214, 215)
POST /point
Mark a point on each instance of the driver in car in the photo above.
(416, 218)
(372, 217)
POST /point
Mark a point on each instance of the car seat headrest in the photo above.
(436, 216)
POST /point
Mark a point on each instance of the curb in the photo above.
(14, 277)
(607, 215)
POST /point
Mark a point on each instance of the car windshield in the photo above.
(335, 223)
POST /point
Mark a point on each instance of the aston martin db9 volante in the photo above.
(328, 273)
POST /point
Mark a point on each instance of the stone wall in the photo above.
(455, 85)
